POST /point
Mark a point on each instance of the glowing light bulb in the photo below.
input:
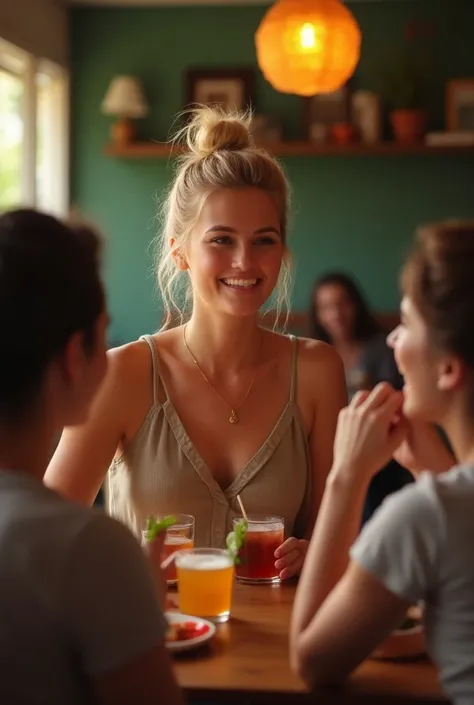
(308, 36)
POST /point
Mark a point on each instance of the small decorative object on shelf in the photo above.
(367, 116)
(326, 110)
(318, 133)
(404, 78)
(343, 133)
(460, 105)
(232, 88)
(306, 47)
(266, 129)
(453, 139)
(124, 99)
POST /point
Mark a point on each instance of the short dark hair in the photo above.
(365, 325)
(50, 288)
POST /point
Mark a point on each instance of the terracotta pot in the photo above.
(408, 125)
(342, 133)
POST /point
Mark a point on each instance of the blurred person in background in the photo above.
(340, 316)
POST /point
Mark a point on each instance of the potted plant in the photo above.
(404, 86)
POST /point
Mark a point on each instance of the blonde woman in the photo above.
(215, 406)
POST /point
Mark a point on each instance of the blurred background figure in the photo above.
(340, 316)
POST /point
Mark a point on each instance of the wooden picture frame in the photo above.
(231, 87)
(327, 109)
(460, 105)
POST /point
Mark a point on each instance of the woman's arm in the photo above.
(322, 373)
(333, 602)
(354, 619)
(82, 458)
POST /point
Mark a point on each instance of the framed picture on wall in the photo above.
(232, 88)
(460, 105)
(326, 109)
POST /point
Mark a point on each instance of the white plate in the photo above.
(189, 644)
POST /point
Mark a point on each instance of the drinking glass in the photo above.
(205, 577)
(179, 537)
(256, 559)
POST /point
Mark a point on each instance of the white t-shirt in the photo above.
(420, 545)
(76, 595)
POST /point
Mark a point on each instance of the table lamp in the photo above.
(124, 99)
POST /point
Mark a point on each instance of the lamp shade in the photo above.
(307, 47)
(125, 98)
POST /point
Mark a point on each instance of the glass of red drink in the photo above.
(256, 560)
(179, 537)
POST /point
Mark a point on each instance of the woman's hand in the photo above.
(368, 432)
(290, 557)
(423, 449)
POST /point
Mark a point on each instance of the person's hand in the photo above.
(368, 432)
(290, 557)
(153, 551)
(423, 449)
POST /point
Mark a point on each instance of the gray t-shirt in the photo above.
(420, 545)
(76, 596)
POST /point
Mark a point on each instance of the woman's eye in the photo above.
(266, 241)
(222, 240)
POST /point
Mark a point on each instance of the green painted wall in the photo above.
(356, 213)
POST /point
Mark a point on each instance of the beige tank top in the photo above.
(162, 473)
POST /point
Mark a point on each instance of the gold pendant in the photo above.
(233, 418)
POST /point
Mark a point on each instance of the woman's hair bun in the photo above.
(214, 129)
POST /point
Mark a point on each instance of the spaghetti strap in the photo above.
(294, 361)
(155, 363)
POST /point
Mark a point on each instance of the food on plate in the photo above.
(183, 631)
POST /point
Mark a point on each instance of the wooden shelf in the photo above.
(159, 150)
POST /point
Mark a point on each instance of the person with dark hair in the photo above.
(418, 547)
(80, 617)
(339, 315)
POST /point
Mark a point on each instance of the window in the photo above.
(33, 132)
(11, 138)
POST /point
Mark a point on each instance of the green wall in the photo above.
(355, 213)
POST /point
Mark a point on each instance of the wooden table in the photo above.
(247, 661)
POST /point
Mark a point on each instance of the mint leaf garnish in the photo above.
(236, 539)
(155, 527)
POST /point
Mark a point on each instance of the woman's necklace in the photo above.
(233, 418)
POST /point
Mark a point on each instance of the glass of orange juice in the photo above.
(179, 537)
(205, 578)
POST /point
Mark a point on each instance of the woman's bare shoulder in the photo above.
(312, 352)
(129, 361)
(131, 364)
(320, 369)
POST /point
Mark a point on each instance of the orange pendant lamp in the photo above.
(307, 47)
